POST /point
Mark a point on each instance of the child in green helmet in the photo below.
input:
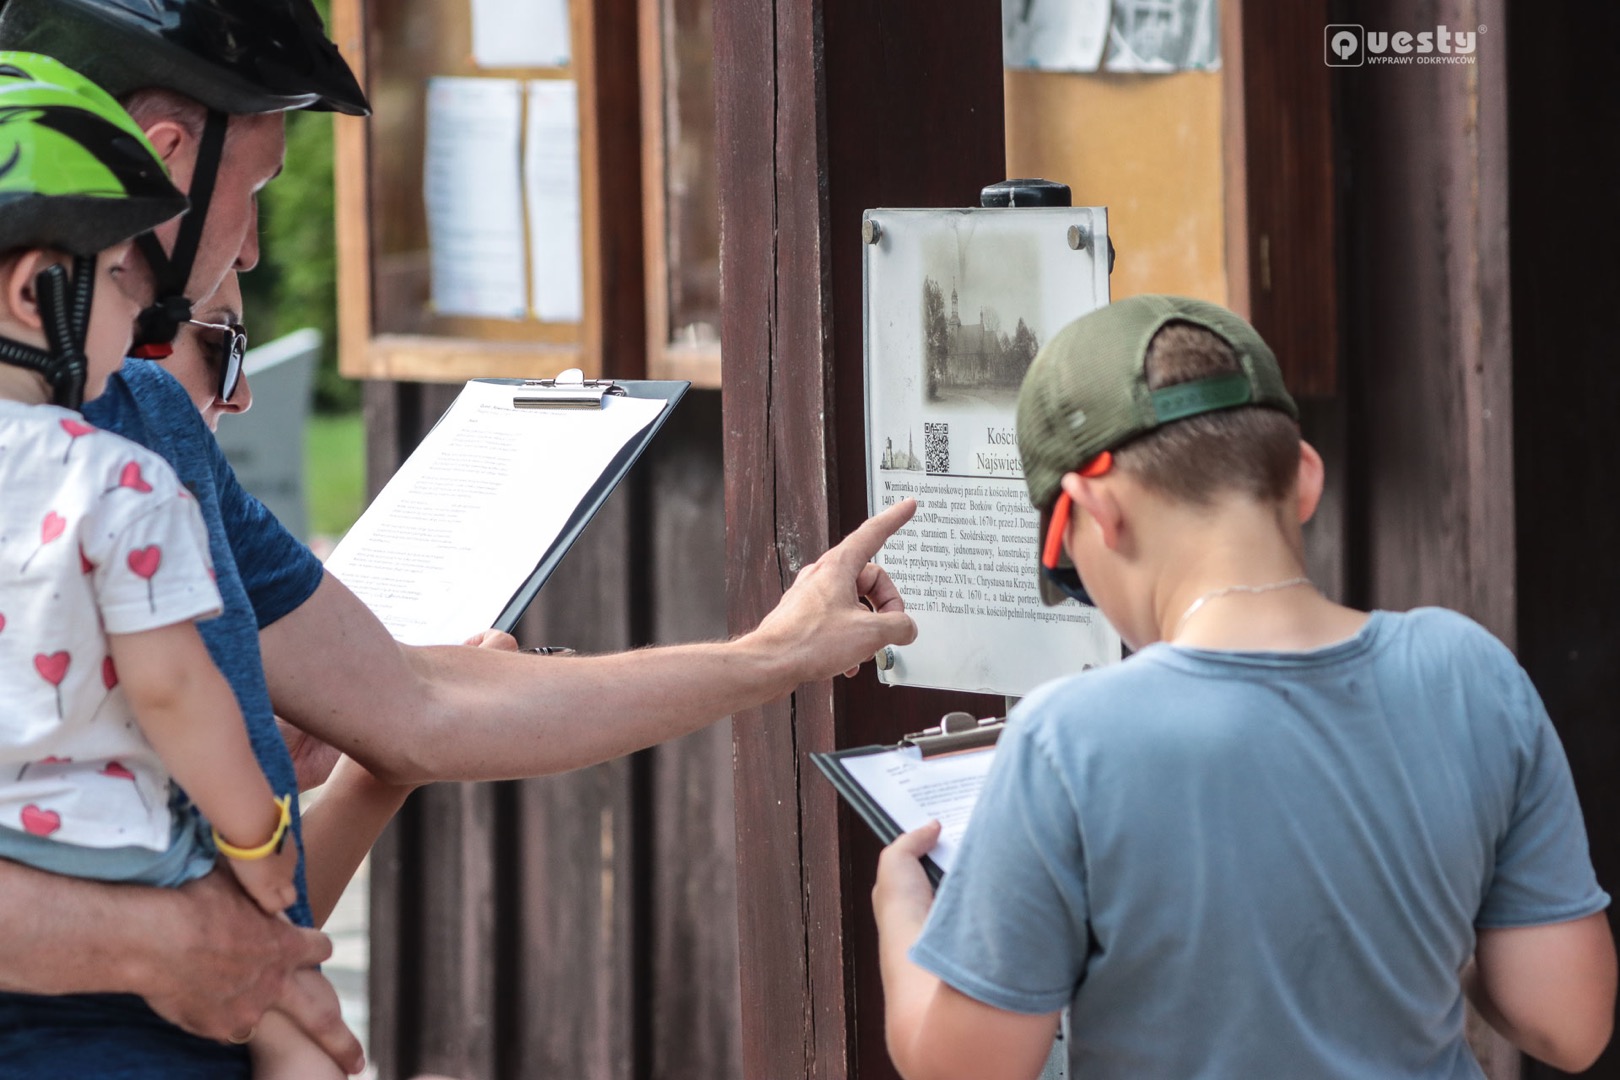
(112, 705)
(1284, 838)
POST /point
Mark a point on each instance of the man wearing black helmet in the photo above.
(207, 81)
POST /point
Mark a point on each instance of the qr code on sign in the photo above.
(937, 448)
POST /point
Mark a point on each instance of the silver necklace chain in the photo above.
(1215, 594)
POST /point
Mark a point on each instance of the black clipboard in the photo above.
(569, 391)
(955, 732)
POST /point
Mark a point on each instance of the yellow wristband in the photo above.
(266, 849)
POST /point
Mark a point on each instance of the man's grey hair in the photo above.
(155, 105)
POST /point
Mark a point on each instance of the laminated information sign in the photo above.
(957, 304)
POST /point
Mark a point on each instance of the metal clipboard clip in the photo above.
(569, 390)
(956, 731)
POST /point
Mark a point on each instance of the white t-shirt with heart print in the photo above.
(97, 536)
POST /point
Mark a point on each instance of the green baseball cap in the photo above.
(1086, 390)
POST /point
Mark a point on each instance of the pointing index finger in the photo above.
(858, 548)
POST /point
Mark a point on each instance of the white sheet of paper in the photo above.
(520, 33)
(465, 520)
(474, 196)
(916, 790)
(551, 179)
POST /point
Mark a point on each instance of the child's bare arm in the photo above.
(188, 713)
(353, 809)
(1548, 989)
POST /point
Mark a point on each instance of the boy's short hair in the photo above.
(1182, 393)
(1251, 449)
(1088, 389)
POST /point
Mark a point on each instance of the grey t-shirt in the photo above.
(1265, 864)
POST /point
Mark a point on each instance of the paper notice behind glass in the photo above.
(551, 178)
(1054, 35)
(1154, 36)
(462, 524)
(520, 33)
(957, 303)
(474, 198)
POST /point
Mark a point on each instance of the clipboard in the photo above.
(570, 391)
(451, 539)
(957, 732)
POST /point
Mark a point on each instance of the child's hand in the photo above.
(269, 881)
(902, 889)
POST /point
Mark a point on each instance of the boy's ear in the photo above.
(1101, 507)
(1312, 475)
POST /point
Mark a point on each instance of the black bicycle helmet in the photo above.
(76, 175)
(235, 56)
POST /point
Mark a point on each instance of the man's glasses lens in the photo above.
(233, 345)
(235, 351)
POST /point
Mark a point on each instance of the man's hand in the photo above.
(842, 608)
(221, 962)
(311, 1002)
(493, 639)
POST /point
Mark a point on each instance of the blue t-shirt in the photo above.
(263, 573)
(1238, 864)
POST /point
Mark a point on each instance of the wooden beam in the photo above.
(825, 108)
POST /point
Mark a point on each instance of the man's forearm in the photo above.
(454, 713)
(71, 936)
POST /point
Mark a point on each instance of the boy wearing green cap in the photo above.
(1269, 843)
(108, 697)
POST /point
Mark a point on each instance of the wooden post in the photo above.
(825, 108)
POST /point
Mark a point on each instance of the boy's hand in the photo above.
(269, 881)
(902, 896)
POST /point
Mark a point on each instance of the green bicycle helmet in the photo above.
(76, 175)
(236, 57)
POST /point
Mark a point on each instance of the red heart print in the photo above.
(76, 428)
(145, 561)
(2, 622)
(40, 822)
(131, 477)
(52, 668)
(117, 769)
(85, 565)
(109, 672)
(51, 527)
(54, 760)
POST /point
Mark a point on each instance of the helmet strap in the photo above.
(64, 310)
(157, 326)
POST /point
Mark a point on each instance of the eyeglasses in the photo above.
(233, 347)
(1067, 578)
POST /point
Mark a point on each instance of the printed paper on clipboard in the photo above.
(957, 304)
(464, 535)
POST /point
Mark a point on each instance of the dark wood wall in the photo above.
(1562, 173)
(581, 925)
(1465, 436)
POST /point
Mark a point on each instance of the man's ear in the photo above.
(1312, 475)
(1102, 509)
(176, 147)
